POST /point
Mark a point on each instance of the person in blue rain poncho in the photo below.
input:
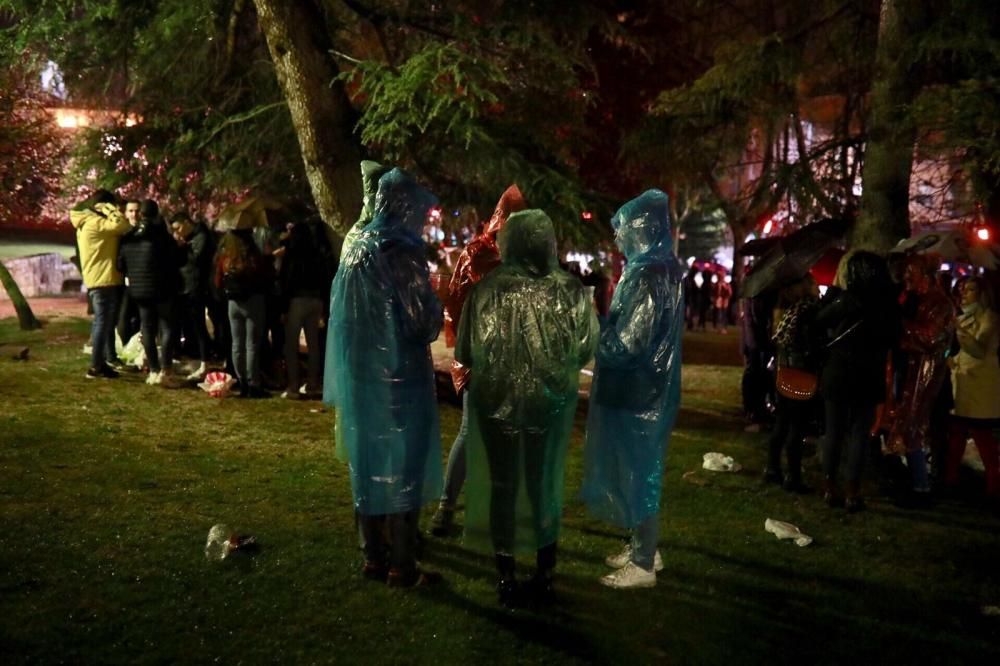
(527, 328)
(371, 173)
(636, 391)
(383, 316)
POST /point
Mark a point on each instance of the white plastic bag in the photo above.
(717, 462)
(132, 353)
(784, 530)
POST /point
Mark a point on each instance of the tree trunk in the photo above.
(25, 317)
(885, 199)
(321, 111)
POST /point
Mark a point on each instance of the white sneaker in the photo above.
(197, 374)
(154, 378)
(625, 556)
(630, 576)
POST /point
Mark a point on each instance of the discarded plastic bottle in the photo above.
(220, 542)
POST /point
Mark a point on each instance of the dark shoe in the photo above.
(412, 578)
(772, 475)
(103, 373)
(914, 501)
(508, 592)
(442, 521)
(794, 485)
(257, 393)
(540, 590)
(855, 504)
(376, 571)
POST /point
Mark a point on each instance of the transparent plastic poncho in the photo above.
(637, 376)
(478, 258)
(527, 329)
(383, 316)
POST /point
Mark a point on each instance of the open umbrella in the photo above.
(952, 245)
(790, 257)
(247, 214)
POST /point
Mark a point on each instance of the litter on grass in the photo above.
(784, 530)
(717, 462)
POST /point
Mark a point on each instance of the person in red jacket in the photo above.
(478, 259)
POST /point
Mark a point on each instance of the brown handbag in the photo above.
(796, 384)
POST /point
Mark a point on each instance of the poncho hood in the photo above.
(511, 201)
(528, 241)
(642, 226)
(371, 172)
(401, 204)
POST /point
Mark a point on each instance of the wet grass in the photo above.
(109, 488)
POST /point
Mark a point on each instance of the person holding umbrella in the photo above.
(862, 324)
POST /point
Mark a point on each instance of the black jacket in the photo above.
(859, 335)
(196, 264)
(308, 266)
(147, 256)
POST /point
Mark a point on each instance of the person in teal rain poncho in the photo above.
(526, 330)
(636, 391)
(371, 173)
(383, 316)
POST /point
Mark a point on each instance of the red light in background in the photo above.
(767, 227)
(587, 215)
(983, 234)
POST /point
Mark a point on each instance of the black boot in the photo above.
(540, 587)
(507, 588)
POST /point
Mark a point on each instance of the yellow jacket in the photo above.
(97, 232)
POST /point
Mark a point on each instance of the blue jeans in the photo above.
(102, 329)
(246, 319)
(644, 538)
(454, 476)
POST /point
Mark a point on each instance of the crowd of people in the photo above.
(872, 356)
(708, 298)
(897, 362)
(260, 288)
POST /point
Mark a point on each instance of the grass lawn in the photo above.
(109, 489)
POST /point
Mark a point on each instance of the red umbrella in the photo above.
(825, 270)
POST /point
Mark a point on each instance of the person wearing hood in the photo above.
(526, 330)
(637, 388)
(478, 259)
(148, 258)
(99, 225)
(371, 172)
(384, 314)
(926, 338)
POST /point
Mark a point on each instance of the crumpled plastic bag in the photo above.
(717, 462)
(784, 530)
(217, 384)
(132, 353)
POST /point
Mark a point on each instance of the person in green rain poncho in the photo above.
(526, 331)
(636, 391)
(384, 315)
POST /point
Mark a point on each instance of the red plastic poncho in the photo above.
(478, 258)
